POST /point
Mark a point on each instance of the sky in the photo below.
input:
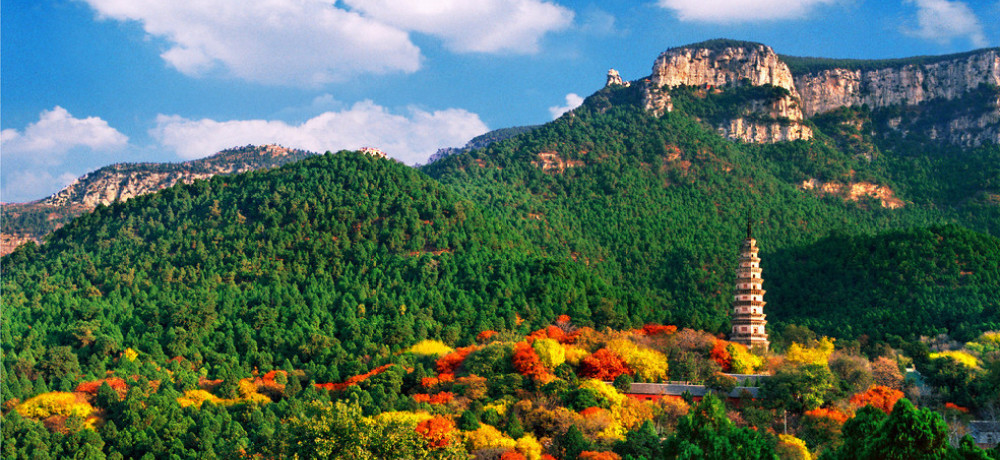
(87, 83)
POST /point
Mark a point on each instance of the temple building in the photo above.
(749, 326)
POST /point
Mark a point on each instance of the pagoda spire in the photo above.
(749, 323)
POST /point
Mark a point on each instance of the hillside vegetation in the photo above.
(170, 323)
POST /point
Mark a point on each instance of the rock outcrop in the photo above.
(615, 80)
(822, 85)
(723, 64)
(906, 84)
(744, 64)
(855, 192)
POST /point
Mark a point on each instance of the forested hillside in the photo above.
(656, 206)
(315, 263)
(202, 303)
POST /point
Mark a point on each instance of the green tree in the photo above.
(706, 432)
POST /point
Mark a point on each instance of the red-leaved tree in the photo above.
(604, 365)
(883, 398)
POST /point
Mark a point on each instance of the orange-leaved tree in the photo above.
(527, 362)
(604, 365)
(438, 431)
(882, 398)
(449, 363)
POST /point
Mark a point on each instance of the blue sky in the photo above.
(86, 83)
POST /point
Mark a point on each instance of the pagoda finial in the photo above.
(749, 228)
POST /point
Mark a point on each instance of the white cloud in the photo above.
(573, 101)
(27, 185)
(57, 132)
(732, 11)
(473, 25)
(314, 42)
(943, 21)
(299, 42)
(410, 138)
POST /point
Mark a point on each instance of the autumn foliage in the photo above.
(551, 332)
(438, 431)
(592, 455)
(115, 383)
(449, 363)
(604, 365)
(485, 336)
(354, 380)
(721, 355)
(649, 365)
(55, 403)
(430, 348)
(830, 413)
(883, 398)
(527, 362)
(657, 329)
(443, 397)
(953, 406)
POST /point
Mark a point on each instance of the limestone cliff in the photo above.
(815, 86)
(897, 83)
(725, 64)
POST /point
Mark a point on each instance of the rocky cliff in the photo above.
(949, 98)
(897, 82)
(815, 86)
(119, 182)
(725, 64)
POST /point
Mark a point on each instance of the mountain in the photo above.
(119, 182)
(954, 98)
(626, 211)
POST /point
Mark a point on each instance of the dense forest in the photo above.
(275, 313)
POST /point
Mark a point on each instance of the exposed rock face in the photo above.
(551, 161)
(907, 85)
(121, 182)
(615, 80)
(750, 64)
(118, 183)
(855, 191)
(755, 131)
(754, 64)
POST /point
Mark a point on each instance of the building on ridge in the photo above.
(749, 325)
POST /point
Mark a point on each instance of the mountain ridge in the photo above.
(819, 86)
(30, 221)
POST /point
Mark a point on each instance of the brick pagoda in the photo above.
(748, 303)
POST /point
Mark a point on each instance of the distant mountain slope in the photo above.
(482, 141)
(120, 182)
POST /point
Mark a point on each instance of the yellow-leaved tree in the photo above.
(963, 357)
(742, 361)
(793, 448)
(649, 365)
(486, 436)
(816, 353)
(430, 348)
(55, 403)
(550, 352)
